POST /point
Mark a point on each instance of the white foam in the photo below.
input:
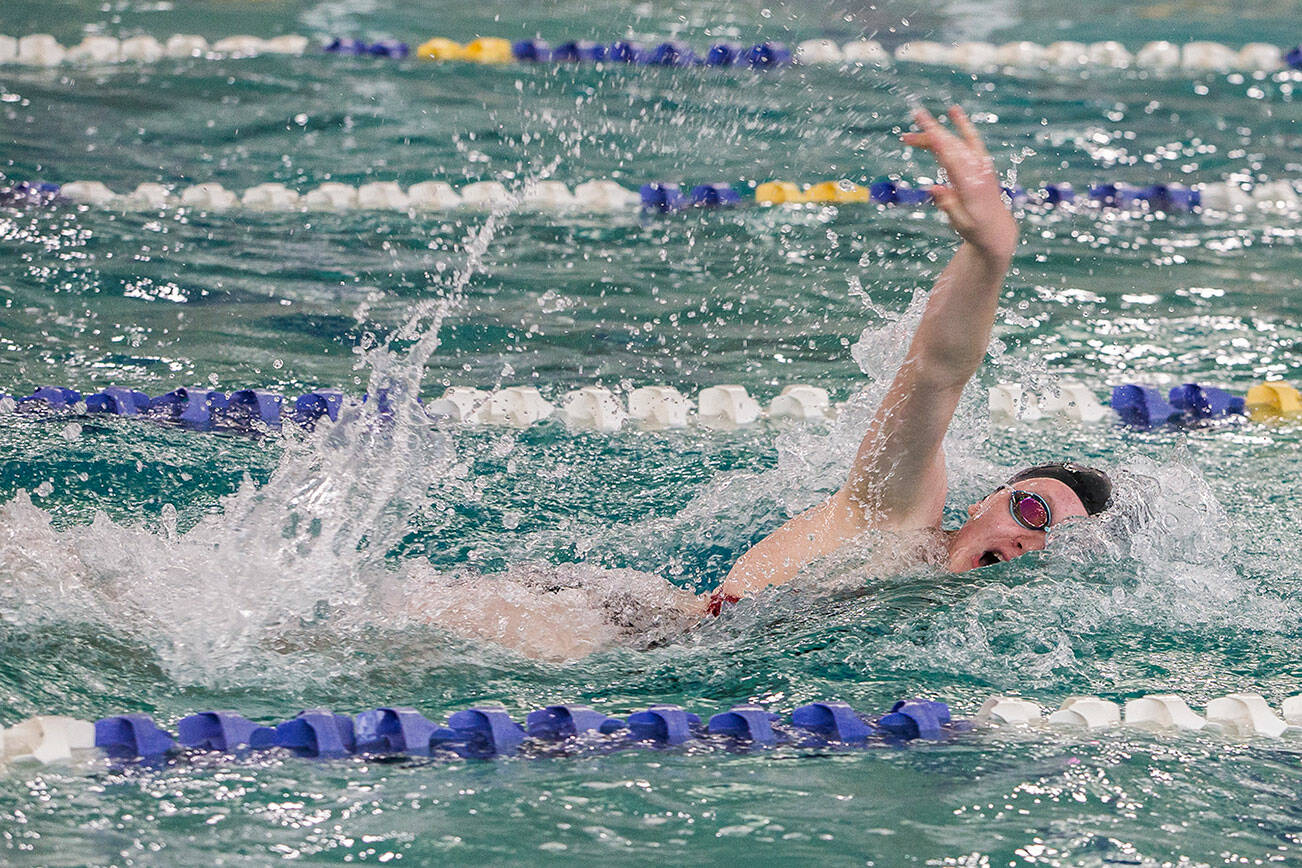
(40, 49)
(87, 193)
(143, 49)
(8, 49)
(183, 45)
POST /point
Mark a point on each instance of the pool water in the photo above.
(149, 568)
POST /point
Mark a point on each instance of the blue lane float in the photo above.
(221, 731)
(128, 736)
(1142, 406)
(485, 732)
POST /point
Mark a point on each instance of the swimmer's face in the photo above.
(992, 535)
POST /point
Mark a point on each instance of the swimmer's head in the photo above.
(1014, 519)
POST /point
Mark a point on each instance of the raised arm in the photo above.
(898, 476)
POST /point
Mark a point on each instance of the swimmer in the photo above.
(897, 482)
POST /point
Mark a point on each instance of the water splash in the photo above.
(308, 547)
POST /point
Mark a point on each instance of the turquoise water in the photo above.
(153, 569)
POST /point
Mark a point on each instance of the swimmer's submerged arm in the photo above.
(898, 476)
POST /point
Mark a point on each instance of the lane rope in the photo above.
(486, 731)
(597, 408)
(43, 50)
(1230, 196)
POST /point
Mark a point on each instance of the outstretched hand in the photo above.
(973, 199)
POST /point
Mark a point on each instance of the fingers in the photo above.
(967, 130)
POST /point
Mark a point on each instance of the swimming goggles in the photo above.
(1029, 509)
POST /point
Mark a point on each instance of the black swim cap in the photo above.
(1092, 486)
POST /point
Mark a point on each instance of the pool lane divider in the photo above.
(606, 196)
(485, 732)
(43, 50)
(596, 408)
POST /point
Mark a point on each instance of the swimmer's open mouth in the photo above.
(990, 558)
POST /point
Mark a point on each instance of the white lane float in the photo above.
(147, 197)
(270, 197)
(1010, 711)
(1292, 709)
(209, 197)
(1158, 55)
(382, 196)
(730, 405)
(516, 406)
(1244, 714)
(432, 196)
(142, 49)
(96, 49)
(818, 52)
(39, 49)
(595, 408)
(606, 196)
(865, 52)
(548, 196)
(1162, 711)
(459, 403)
(88, 193)
(486, 195)
(659, 407)
(182, 45)
(807, 403)
(1088, 712)
(331, 196)
(46, 739)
